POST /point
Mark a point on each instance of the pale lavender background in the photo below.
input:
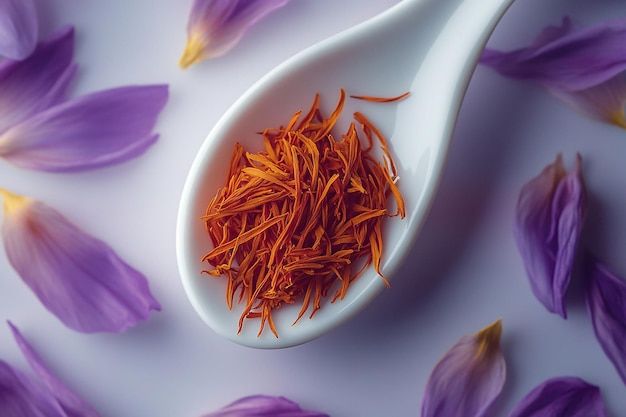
(463, 274)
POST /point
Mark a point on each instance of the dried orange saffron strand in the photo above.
(303, 218)
(383, 99)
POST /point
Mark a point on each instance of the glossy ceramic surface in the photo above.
(428, 47)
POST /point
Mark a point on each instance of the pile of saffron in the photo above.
(301, 220)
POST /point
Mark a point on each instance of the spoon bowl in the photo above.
(427, 47)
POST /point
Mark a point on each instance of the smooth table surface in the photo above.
(463, 273)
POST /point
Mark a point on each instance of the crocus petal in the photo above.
(38, 82)
(549, 218)
(69, 401)
(215, 26)
(604, 102)
(469, 378)
(606, 301)
(21, 396)
(583, 67)
(18, 28)
(92, 131)
(78, 278)
(264, 406)
(562, 397)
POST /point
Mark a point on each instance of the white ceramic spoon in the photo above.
(428, 47)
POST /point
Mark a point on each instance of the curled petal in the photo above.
(562, 397)
(469, 378)
(88, 132)
(70, 402)
(215, 26)
(18, 28)
(606, 301)
(566, 58)
(584, 67)
(549, 218)
(21, 396)
(38, 82)
(264, 406)
(78, 278)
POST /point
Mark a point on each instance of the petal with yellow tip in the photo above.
(585, 67)
(469, 378)
(605, 101)
(79, 278)
(193, 52)
(215, 26)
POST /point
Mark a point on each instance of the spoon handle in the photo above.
(495, 8)
(457, 33)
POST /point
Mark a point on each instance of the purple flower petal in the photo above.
(264, 406)
(18, 28)
(469, 378)
(20, 396)
(565, 58)
(583, 67)
(606, 301)
(88, 132)
(71, 403)
(38, 82)
(562, 397)
(78, 278)
(604, 102)
(215, 26)
(549, 219)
